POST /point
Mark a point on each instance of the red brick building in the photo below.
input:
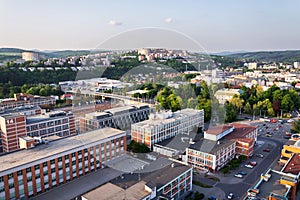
(30, 172)
(16, 125)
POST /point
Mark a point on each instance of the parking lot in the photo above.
(275, 130)
(268, 147)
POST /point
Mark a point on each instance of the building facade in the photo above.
(224, 95)
(120, 117)
(30, 56)
(16, 125)
(26, 100)
(162, 126)
(49, 165)
(210, 155)
(220, 145)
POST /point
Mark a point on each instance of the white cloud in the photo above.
(168, 20)
(114, 23)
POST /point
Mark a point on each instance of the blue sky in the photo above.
(217, 25)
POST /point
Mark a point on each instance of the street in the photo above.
(239, 186)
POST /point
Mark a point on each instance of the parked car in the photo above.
(253, 163)
(266, 150)
(243, 173)
(230, 196)
(259, 155)
(268, 135)
(249, 166)
(290, 120)
(239, 175)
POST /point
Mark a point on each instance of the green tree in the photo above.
(192, 103)
(237, 102)
(296, 126)
(287, 103)
(230, 113)
(248, 109)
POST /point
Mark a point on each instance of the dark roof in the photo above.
(210, 146)
(216, 130)
(240, 131)
(158, 178)
(179, 142)
(293, 166)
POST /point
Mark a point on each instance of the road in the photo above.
(240, 189)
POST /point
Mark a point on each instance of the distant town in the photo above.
(148, 123)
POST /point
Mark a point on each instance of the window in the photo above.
(36, 167)
(52, 161)
(19, 173)
(28, 169)
(11, 185)
(10, 176)
(44, 164)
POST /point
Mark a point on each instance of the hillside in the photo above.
(270, 56)
(8, 54)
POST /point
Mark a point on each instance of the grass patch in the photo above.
(212, 178)
(202, 184)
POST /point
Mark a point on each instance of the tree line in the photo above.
(272, 102)
(7, 90)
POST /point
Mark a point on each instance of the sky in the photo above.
(213, 25)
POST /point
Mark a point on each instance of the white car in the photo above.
(238, 175)
(230, 196)
(249, 166)
(290, 120)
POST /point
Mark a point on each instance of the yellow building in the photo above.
(288, 150)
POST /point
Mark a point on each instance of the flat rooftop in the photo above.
(120, 109)
(46, 117)
(293, 166)
(175, 116)
(110, 191)
(44, 151)
(216, 130)
(210, 146)
(240, 131)
(273, 185)
(94, 115)
(179, 142)
(157, 173)
(19, 110)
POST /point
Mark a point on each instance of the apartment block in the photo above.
(26, 100)
(22, 110)
(220, 145)
(119, 117)
(172, 181)
(16, 125)
(27, 173)
(165, 125)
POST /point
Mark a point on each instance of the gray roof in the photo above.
(44, 151)
(210, 146)
(158, 173)
(180, 142)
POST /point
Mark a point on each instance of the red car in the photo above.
(266, 150)
(253, 163)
